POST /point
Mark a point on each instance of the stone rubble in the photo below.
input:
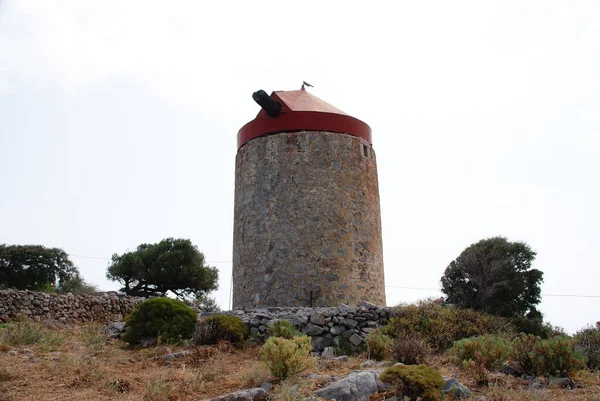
(251, 394)
(327, 326)
(357, 386)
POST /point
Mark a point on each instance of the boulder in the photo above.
(357, 386)
(355, 339)
(114, 329)
(320, 343)
(335, 330)
(312, 329)
(452, 385)
(251, 394)
(328, 353)
(317, 319)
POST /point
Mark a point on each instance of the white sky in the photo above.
(118, 123)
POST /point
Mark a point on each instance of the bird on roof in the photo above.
(304, 83)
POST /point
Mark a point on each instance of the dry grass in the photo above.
(90, 367)
(87, 366)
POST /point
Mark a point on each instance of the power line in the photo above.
(413, 288)
(544, 295)
(101, 258)
(88, 257)
(571, 295)
(387, 286)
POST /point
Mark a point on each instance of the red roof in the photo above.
(302, 100)
(303, 111)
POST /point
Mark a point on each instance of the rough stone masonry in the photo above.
(307, 228)
(68, 308)
(329, 326)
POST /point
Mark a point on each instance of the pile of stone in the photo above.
(326, 326)
(355, 386)
(68, 308)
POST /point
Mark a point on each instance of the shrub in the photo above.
(410, 349)
(441, 325)
(553, 357)
(282, 328)
(92, 336)
(414, 381)
(524, 353)
(378, 345)
(30, 333)
(169, 319)
(217, 328)
(477, 371)
(21, 333)
(537, 327)
(490, 351)
(587, 341)
(285, 358)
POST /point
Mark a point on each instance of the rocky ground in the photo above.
(80, 363)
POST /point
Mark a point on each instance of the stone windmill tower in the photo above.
(307, 225)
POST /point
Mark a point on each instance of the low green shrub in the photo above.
(489, 351)
(414, 381)
(410, 349)
(555, 356)
(524, 353)
(440, 326)
(378, 345)
(537, 327)
(168, 319)
(587, 341)
(285, 358)
(282, 328)
(217, 328)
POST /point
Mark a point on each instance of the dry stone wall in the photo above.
(68, 308)
(328, 326)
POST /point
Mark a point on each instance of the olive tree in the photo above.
(172, 265)
(494, 275)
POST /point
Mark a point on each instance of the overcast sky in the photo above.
(118, 123)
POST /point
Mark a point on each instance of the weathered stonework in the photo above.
(307, 225)
(68, 308)
(328, 326)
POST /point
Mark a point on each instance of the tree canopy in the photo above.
(495, 276)
(173, 265)
(35, 267)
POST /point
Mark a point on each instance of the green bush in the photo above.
(410, 349)
(378, 345)
(537, 327)
(587, 341)
(440, 326)
(414, 381)
(282, 328)
(217, 328)
(285, 358)
(489, 351)
(555, 356)
(168, 319)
